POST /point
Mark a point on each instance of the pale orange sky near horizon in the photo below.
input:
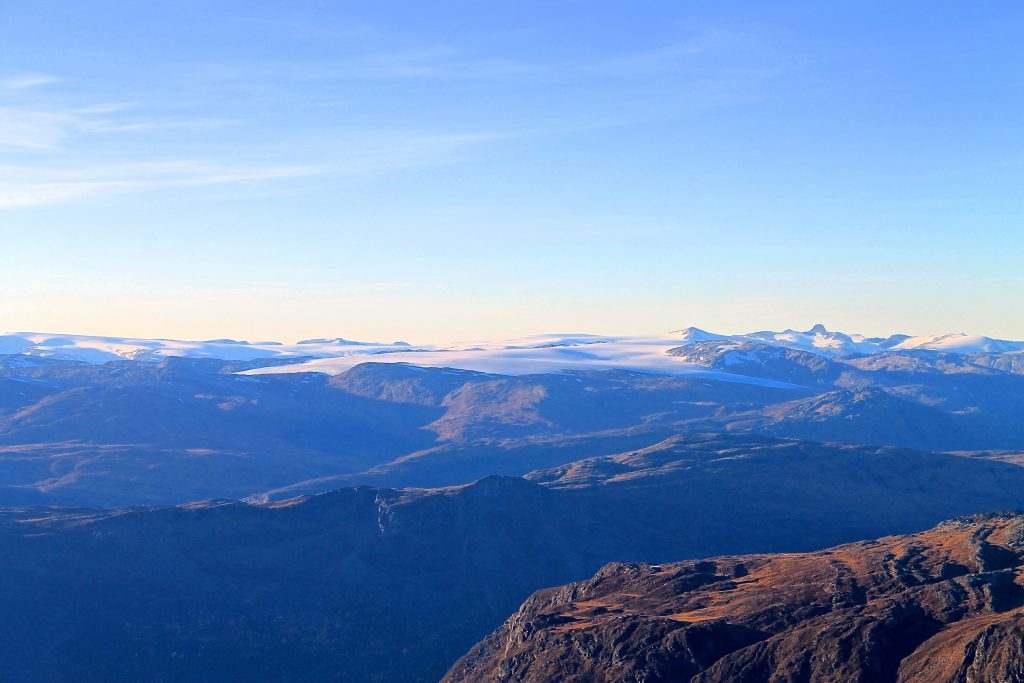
(399, 315)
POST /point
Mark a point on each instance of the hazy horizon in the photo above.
(525, 336)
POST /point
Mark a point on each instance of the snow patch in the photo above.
(542, 354)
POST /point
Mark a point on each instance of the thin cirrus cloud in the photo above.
(24, 81)
(23, 186)
(58, 157)
(46, 129)
(449, 63)
(61, 156)
(34, 129)
(707, 70)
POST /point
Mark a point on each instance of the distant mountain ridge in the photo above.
(824, 342)
(130, 432)
(522, 355)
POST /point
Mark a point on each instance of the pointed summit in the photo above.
(695, 334)
(818, 329)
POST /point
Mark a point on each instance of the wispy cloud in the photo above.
(439, 62)
(43, 129)
(690, 53)
(448, 63)
(22, 186)
(104, 108)
(25, 185)
(386, 151)
(65, 150)
(27, 81)
(35, 129)
(56, 159)
(162, 123)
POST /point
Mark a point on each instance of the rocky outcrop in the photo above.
(942, 605)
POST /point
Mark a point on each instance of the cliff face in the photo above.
(942, 605)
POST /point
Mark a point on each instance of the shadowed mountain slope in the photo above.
(132, 431)
(369, 584)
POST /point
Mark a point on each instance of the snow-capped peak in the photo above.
(95, 349)
(536, 353)
(819, 339)
(960, 342)
(695, 334)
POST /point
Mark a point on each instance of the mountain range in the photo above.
(369, 512)
(169, 429)
(522, 355)
(378, 584)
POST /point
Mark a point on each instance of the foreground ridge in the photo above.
(942, 605)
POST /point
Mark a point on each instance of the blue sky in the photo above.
(468, 169)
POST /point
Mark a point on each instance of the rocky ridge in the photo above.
(942, 605)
